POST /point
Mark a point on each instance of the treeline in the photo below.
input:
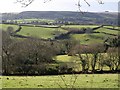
(34, 56)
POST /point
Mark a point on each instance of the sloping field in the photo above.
(40, 32)
(43, 32)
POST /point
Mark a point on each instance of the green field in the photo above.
(91, 38)
(40, 32)
(80, 26)
(64, 81)
(107, 31)
(115, 27)
(5, 26)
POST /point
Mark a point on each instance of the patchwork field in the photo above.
(42, 32)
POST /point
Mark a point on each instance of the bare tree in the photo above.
(70, 45)
(113, 58)
(84, 58)
(0, 51)
(95, 50)
(7, 50)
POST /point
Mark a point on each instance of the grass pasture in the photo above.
(115, 27)
(5, 26)
(104, 30)
(46, 33)
(90, 38)
(80, 26)
(82, 81)
(40, 32)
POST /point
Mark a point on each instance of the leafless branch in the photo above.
(100, 1)
(79, 6)
(28, 2)
(47, 1)
(75, 79)
(87, 3)
(24, 3)
(63, 81)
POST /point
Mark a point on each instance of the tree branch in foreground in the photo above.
(26, 3)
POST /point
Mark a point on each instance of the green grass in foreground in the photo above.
(83, 81)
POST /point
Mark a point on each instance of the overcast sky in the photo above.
(59, 5)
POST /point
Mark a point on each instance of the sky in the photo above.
(59, 5)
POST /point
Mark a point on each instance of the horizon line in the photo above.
(67, 11)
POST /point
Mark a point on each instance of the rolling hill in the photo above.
(108, 18)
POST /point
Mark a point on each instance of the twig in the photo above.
(59, 85)
(74, 80)
(87, 3)
(100, 2)
(47, 1)
(63, 81)
(24, 3)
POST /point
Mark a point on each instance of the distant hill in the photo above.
(75, 17)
